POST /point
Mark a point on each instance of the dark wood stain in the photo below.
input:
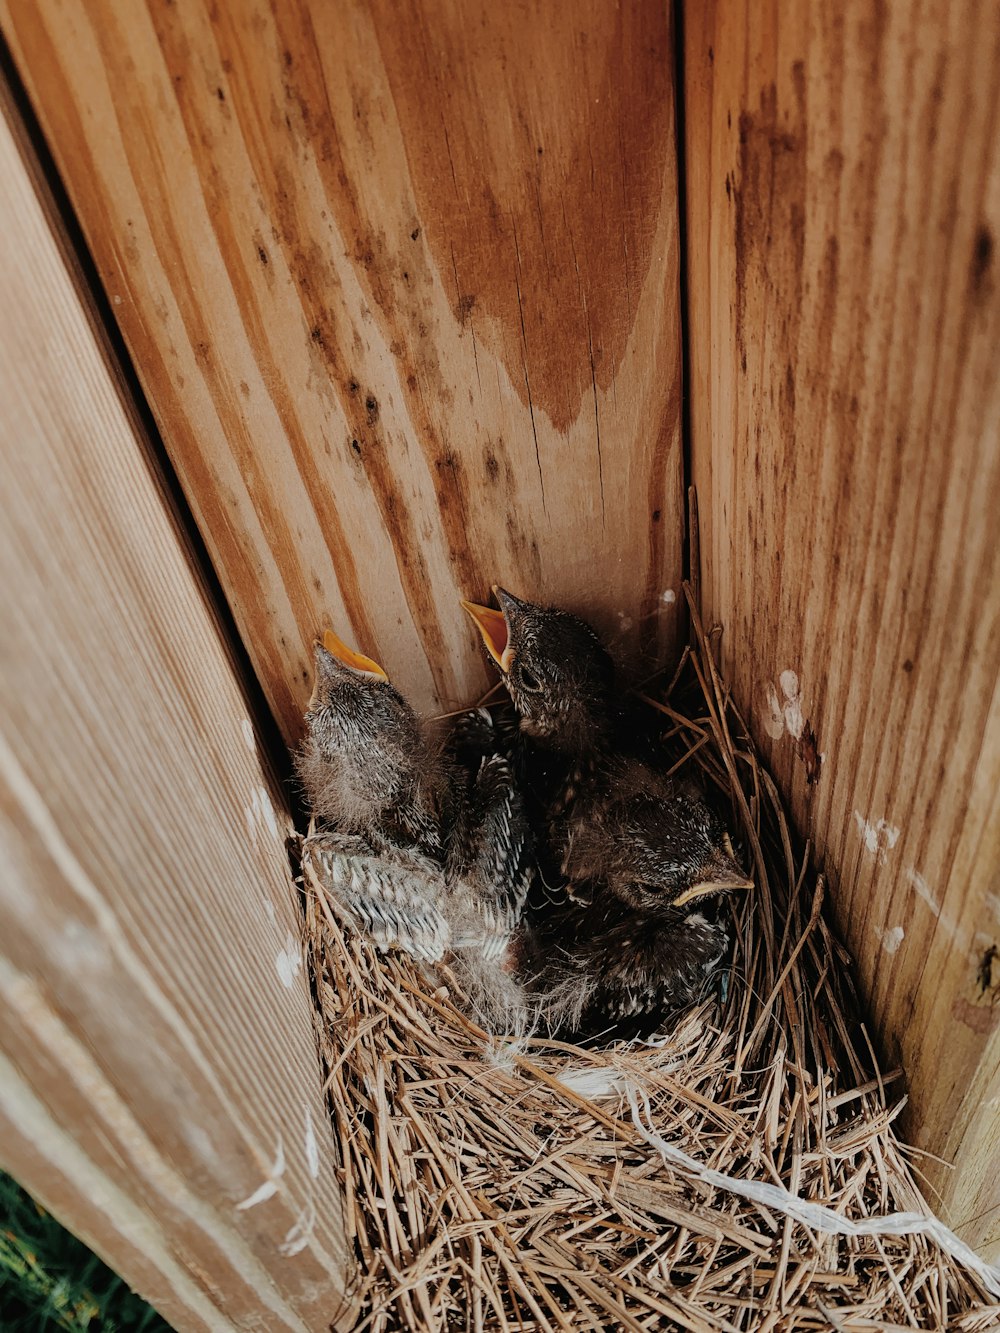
(980, 275)
(317, 289)
(807, 748)
(768, 196)
(848, 312)
(402, 311)
(520, 548)
(548, 250)
(988, 975)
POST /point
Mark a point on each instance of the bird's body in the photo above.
(618, 971)
(422, 841)
(629, 928)
(367, 763)
(637, 934)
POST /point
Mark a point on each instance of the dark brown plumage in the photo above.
(631, 931)
(649, 860)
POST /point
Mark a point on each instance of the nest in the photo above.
(740, 1173)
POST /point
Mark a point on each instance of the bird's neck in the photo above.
(585, 735)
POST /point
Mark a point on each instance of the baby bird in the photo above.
(647, 938)
(378, 793)
(557, 671)
(366, 763)
(420, 851)
(561, 681)
(635, 850)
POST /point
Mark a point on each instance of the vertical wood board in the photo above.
(160, 1088)
(843, 208)
(401, 284)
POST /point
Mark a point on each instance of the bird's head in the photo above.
(363, 741)
(660, 856)
(558, 673)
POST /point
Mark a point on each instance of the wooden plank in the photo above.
(160, 1088)
(843, 207)
(401, 283)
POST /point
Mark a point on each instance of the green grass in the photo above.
(50, 1280)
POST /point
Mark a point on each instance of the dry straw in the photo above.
(744, 1174)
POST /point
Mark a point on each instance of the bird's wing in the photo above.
(471, 736)
(393, 895)
(490, 856)
(415, 824)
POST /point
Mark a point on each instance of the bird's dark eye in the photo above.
(530, 681)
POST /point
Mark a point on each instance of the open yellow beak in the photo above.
(356, 661)
(492, 625)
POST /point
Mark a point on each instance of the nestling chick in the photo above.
(366, 764)
(653, 857)
(558, 673)
(634, 850)
(420, 852)
(377, 792)
(561, 681)
(652, 841)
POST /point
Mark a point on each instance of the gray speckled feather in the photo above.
(617, 963)
(397, 897)
(488, 865)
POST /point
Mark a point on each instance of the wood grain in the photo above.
(157, 1056)
(843, 209)
(401, 284)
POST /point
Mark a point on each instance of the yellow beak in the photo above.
(492, 625)
(337, 648)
